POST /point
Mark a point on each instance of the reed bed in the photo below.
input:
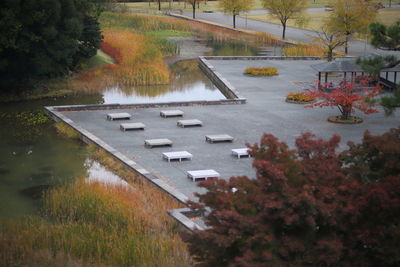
(304, 50)
(142, 23)
(139, 56)
(95, 225)
(139, 61)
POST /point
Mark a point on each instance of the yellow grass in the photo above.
(304, 50)
(91, 224)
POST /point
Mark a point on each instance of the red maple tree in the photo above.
(346, 96)
(303, 209)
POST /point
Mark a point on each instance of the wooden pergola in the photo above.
(345, 66)
(395, 70)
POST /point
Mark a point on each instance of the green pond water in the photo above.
(33, 157)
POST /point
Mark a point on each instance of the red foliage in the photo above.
(112, 51)
(303, 209)
(347, 97)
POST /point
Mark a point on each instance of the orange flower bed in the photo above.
(299, 97)
(263, 71)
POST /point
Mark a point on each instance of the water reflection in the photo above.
(97, 173)
(188, 83)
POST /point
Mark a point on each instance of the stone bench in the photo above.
(177, 155)
(150, 143)
(189, 123)
(171, 113)
(219, 138)
(119, 116)
(240, 152)
(202, 174)
(131, 126)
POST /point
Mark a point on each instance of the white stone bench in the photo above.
(119, 116)
(171, 113)
(219, 138)
(131, 126)
(157, 142)
(239, 152)
(186, 123)
(202, 174)
(177, 155)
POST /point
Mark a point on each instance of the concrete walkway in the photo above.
(265, 112)
(356, 47)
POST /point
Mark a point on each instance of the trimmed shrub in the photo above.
(299, 97)
(263, 71)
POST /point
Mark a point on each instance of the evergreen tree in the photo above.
(383, 37)
(44, 38)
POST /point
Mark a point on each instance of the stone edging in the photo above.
(223, 85)
(179, 215)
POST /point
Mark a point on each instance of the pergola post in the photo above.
(326, 78)
(387, 75)
(319, 79)
(395, 77)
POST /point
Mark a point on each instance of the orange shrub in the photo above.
(299, 97)
(263, 71)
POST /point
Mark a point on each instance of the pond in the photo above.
(33, 157)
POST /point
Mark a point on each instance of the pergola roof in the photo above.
(396, 68)
(348, 65)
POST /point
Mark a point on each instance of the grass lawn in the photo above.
(316, 18)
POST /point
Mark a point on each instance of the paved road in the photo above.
(356, 47)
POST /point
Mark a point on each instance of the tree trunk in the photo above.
(346, 45)
(159, 5)
(194, 10)
(330, 54)
(346, 112)
(284, 31)
(234, 21)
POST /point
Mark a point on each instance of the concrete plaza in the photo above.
(265, 112)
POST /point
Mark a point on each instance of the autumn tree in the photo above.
(329, 40)
(302, 209)
(385, 37)
(351, 16)
(235, 7)
(346, 96)
(284, 10)
(375, 158)
(193, 3)
(286, 216)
